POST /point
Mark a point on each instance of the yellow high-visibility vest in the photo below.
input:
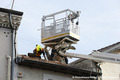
(38, 48)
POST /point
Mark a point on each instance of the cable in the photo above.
(10, 22)
(11, 26)
(15, 42)
(12, 4)
(12, 64)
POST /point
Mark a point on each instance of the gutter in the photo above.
(66, 69)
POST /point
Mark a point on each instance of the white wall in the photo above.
(30, 73)
(55, 77)
(110, 71)
(5, 49)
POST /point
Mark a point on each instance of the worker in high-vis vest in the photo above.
(38, 51)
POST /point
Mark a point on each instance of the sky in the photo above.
(99, 22)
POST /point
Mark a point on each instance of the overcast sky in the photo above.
(99, 22)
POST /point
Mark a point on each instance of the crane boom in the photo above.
(95, 56)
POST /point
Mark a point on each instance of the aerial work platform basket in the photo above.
(59, 25)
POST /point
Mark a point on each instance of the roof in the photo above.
(110, 48)
(11, 11)
(77, 61)
(54, 66)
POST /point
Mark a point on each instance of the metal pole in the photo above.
(8, 67)
(12, 64)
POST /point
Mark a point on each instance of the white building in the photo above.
(110, 71)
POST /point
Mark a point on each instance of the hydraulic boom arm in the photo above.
(96, 56)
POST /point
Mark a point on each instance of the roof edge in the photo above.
(11, 11)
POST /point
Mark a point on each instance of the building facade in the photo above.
(111, 71)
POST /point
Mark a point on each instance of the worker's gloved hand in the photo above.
(34, 51)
